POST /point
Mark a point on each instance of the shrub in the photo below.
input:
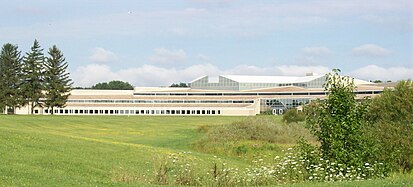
(391, 117)
(336, 122)
(293, 116)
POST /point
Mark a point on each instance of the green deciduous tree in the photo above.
(10, 77)
(57, 81)
(33, 70)
(293, 116)
(391, 117)
(113, 85)
(337, 122)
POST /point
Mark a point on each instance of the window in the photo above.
(36, 111)
(213, 112)
(203, 111)
(219, 111)
(81, 111)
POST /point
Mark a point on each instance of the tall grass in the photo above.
(255, 133)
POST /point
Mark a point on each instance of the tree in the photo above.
(113, 85)
(391, 117)
(337, 122)
(10, 78)
(32, 70)
(293, 116)
(181, 84)
(57, 81)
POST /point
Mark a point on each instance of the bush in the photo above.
(391, 118)
(337, 123)
(293, 116)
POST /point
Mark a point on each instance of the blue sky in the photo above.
(157, 42)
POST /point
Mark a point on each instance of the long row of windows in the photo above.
(247, 93)
(133, 112)
(154, 101)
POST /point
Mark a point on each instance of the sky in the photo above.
(159, 42)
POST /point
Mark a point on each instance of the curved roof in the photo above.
(271, 79)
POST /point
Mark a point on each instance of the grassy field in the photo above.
(109, 150)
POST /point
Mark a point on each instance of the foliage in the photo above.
(57, 81)
(337, 123)
(181, 84)
(113, 85)
(393, 104)
(67, 151)
(249, 136)
(391, 117)
(32, 86)
(10, 77)
(293, 116)
(267, 112)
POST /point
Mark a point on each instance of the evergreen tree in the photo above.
(10, 78)
(57, 81)
(33, 76)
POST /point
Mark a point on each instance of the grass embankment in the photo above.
(89, 150)
(251, 137)
(124, 151)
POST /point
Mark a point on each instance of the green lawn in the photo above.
(107, 150)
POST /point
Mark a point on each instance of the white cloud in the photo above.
(316, 51)
(371, 50)
(295, 70)
(166, 56)
(92, 74)
(313, 55)
(204, 58)
(150, 75)
(374, 72)
(101, 55)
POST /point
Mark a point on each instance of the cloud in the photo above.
(374, 72)
(316, 51)
(166, 56)
(101, 55)
(371, 50)
(93, 73)
(204, 58)
(150, 75)
(313, 55)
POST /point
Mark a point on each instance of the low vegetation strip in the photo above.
(73, 151)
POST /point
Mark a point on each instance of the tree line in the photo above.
(33, 79)
(111, 85)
